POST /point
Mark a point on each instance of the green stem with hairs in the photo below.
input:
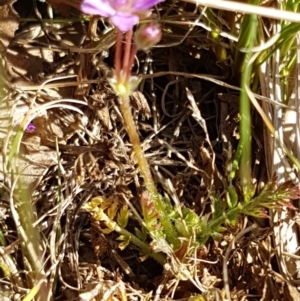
(139, 154)
(145, 171)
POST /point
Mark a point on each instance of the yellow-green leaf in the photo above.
(123, 215)
(112, 210)
(106, 231)
(124, 243)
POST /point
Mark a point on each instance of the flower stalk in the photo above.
(135, 141)
(124, 85)
(124, 88)
(125, 14)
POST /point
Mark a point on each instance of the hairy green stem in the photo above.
(139, 154)
(144, 167)
(245, 124)
(226, 216)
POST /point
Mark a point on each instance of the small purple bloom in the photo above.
(124, 14)
(30, 128)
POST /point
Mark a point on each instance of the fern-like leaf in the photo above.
(123, 216)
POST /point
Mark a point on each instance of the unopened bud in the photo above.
(147, 35)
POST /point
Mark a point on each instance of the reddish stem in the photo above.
(126, 58)
(118, 55)
(131, 60)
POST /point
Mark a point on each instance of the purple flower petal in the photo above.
(118, 4)
(139, 5)
(30, 128)
(97, 7)
(124, 22)
(124, 14)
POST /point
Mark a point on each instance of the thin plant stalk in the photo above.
(127, 56)
(136, 144)
(146, 173)
(124, 89)
(245, 124)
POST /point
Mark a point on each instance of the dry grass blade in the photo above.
(249, 9)
(285, 231)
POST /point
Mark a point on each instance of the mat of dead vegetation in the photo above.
(72, 156)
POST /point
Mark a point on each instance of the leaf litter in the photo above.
(189, 133)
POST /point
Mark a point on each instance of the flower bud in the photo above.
(147, 35)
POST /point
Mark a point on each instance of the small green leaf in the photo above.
(123, 216)
(112, 211)
(182, 228)
(167, 204)
(110, 225)
(106, 231)
(142, 235)
(122, 238)
(98, 214)
(125, 241)
(232, 199)
(190, 217)
(218, 206)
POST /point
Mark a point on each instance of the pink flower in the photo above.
(124, 14)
